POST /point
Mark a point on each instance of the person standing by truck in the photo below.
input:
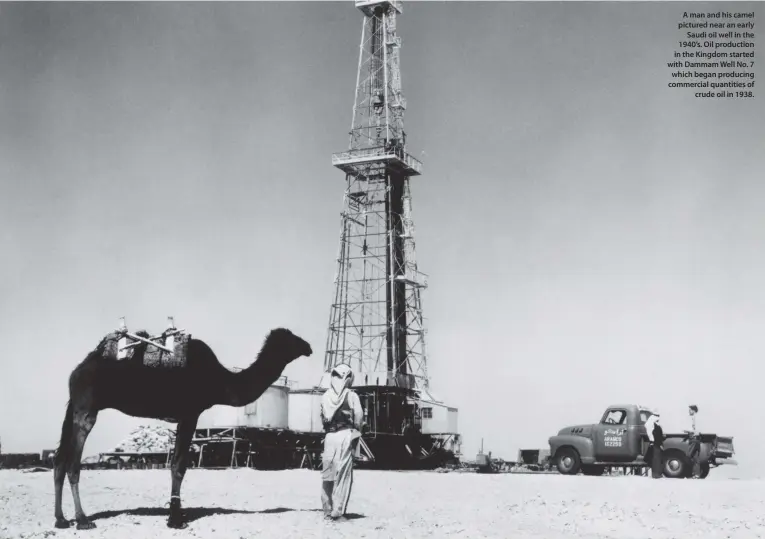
(694, 450)
(656, 436)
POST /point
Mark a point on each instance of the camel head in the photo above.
(286, 345)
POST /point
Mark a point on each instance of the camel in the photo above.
(177, 394)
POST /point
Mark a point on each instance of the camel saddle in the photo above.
(156, 358)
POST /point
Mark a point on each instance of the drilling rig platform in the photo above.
(376, 322)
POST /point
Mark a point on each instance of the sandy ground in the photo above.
(233, 504)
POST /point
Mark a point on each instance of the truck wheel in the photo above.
(568, 461)
(593, 470)
(704, 471)
(675, 465)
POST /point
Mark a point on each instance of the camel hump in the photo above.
(165, 352)
(156, 358)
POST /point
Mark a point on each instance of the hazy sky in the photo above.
(591, 235)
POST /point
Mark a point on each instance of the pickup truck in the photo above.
(620, 440)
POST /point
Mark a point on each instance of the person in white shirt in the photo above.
(692, 411)
(694, 450)
(656, 436)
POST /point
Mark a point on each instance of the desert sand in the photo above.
(233, 504)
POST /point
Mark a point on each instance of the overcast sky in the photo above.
(591, 235)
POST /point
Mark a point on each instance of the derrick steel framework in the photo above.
(376, 323)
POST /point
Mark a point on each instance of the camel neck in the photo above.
(248, 385)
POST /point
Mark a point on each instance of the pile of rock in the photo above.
(148, 439)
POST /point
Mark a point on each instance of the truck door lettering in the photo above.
(614, 437)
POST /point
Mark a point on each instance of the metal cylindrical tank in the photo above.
(271, 410)
(305, 410)
(221, 416)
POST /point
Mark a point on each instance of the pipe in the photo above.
(147, 341)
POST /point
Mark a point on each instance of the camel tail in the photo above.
(64, 451)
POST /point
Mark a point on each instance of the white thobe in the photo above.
(649, 427)
(337, 459)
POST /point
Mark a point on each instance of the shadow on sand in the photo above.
(195, 513)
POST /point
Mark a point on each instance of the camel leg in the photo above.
(59, 475)
(60, 464)
(183, 436)
(83, 424)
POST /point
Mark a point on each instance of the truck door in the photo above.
(615, 439)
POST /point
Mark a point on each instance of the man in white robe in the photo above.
(342, 417)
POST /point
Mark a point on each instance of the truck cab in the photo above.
(620, 435)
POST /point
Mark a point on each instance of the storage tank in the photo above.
(220, 417)
(269, 411)
(305, 410)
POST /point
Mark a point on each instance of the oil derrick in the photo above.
(376, 322)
